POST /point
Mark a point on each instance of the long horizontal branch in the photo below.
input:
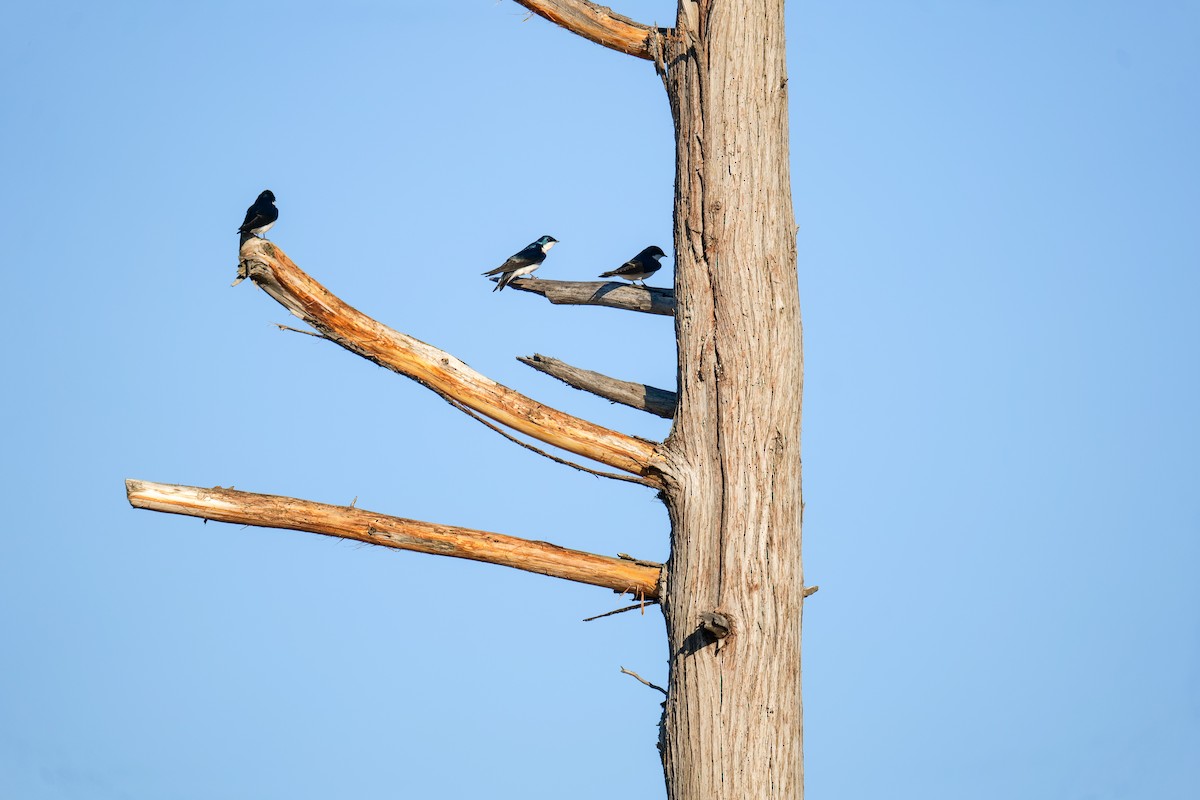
(598, 24)
(273, 511)
(648, 299)
(278, 276)
(635, 395)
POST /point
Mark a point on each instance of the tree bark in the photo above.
(650, 399)
(733, 720)
(647, 299)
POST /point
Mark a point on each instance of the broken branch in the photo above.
(278, 276)
(598, 24)
(635, 395)
(647, 299)
(346, 522)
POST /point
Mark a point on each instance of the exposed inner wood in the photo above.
(346, 522)
(597, 23)
(271, 269)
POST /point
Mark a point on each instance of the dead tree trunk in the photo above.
(733, 723)
(732, 590)
(732, 726)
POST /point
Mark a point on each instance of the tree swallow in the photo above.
(260, 216)
(640, 267)
(522, 263)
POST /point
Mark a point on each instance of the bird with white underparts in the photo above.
(640, 267)
(522, 262)
(260, 216)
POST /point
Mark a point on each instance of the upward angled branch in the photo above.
(656, 401)
(278, 276)
(598, 24)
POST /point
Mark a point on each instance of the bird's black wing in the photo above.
(634, 266)
(259, 214)
(530, 255)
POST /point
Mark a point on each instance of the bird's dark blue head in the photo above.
(653, 251)
(546, 242)
(267, 195)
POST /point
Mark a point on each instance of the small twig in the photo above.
(643, 680)
(634, 607)
(283, 327)
(810, 590)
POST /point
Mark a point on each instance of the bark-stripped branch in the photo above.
(278, 276)
(273, 511)
(635, 395)
(540, 452)
(598, 24)
(648, 299)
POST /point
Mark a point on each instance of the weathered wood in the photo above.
(273, 511)
(730, 471)
(635, 395)
(271, 269)
(598, 24)
(732, 725)
(647, 299)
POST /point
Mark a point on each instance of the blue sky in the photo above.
(999, 261)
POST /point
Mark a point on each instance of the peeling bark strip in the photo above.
(278, 276)
(273, 511)
(596, 23)
(659, 402)
(647, 299)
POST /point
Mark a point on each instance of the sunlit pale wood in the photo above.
(270, 268)
(273, 511)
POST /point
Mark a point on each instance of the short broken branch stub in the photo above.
(716, 623)
(599, 24)
(646, 299)
(660, 402)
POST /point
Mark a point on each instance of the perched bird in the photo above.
(523, 262)
(640, 267)
(260, 216)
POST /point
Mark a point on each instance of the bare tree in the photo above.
(732, 591)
